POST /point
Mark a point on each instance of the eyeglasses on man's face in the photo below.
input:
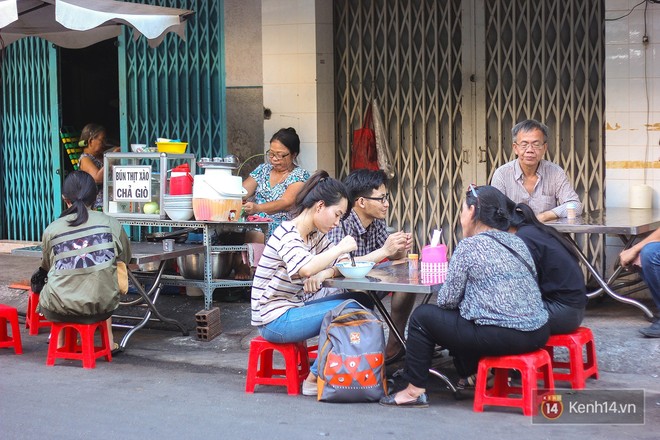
(525, 145)
(383, 199)
(278, 156)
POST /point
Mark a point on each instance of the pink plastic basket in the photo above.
(434, 263)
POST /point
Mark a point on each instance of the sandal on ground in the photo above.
(420, 402)
(116, 349)
(471, 381)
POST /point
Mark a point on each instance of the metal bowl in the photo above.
(192, 266)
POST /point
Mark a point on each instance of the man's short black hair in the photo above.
(362, 182)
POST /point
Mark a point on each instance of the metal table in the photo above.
(628, 224)
(393, 276)
(148, 253)
(208, 284)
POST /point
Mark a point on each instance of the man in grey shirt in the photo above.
(532, 180)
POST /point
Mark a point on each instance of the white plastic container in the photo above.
(218, 196)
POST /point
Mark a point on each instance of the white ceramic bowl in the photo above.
(142, 148)
(179, 214)
(360, 269)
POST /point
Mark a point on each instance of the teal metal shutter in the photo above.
(30, 184)
(177, 90)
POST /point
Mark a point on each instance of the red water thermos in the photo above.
(181, 181)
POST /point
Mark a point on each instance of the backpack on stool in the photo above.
(351, 355)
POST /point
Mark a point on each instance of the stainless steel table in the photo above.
(628, 224)
(148, 253)
(393, 276)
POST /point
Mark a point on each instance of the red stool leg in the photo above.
(106, 349)
(9, 317)
(87, 344)
(16, 333)
(480, 387)
(592, 363)
(33, 319)
(253, 364)
(52, 343)
(292, 367)
(4, 337)
(266, 363)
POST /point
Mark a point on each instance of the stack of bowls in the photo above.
(178, 208)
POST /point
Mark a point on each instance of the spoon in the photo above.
(343, 228)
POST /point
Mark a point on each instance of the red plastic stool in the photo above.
(260, 365)
(9, 315)
(34, 320)
(578, 370)
(312, 351)
(498, 395)
(87, 352)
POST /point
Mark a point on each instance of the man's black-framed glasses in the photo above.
(383, 199)
(534, 145)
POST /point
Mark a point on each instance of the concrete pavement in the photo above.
(171, 386)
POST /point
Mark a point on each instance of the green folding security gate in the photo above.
(178, 89)
(175, 90)
(29, 142)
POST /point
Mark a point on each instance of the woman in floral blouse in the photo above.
(274, 185)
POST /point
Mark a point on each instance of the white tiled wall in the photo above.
(632, 74)
(298, 76)
(632, 100)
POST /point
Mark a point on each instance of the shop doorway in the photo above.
(89, 88)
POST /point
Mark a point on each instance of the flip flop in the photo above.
(421, 402)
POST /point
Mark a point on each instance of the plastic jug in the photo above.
(181, 182)
(218, 196)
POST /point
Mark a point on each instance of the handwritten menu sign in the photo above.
(132, 183)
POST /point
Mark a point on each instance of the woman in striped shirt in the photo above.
(288, 303)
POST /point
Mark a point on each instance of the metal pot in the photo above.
(192, 266)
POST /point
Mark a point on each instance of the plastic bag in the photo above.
(385, 161)
(363, 150)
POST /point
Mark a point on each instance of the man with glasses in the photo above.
(366, 224)
(532, 180)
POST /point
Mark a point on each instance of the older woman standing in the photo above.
(490, 304)
(276, 184)
(92, 138)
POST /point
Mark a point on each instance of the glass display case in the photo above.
(134, 183)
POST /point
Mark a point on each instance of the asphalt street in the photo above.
(170, 386)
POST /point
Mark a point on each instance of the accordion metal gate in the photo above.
(452, 77)
(30, 186)
(176, 89)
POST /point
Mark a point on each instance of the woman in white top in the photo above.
(288, 303)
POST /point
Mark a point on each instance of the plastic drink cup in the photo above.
(570, 210)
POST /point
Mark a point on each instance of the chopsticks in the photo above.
(343, 228)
